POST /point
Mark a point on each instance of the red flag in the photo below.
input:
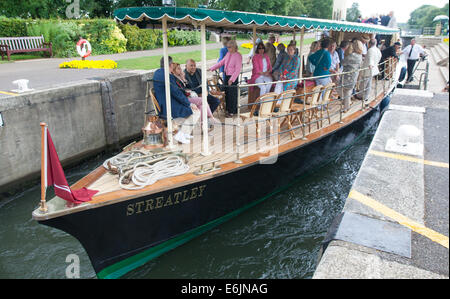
(54, 176)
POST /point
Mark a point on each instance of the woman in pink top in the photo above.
(233, 66)
(262, 69)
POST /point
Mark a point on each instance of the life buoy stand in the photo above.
(84, 48)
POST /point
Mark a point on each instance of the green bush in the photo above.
(141, 39)
(62, 35)
(12, 27)
(183, 38)
(104, 36)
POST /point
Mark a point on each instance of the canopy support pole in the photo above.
(254, 39)
(300, 52)
(167, 86)
(204, 93)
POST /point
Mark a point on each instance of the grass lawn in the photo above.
(152, 62)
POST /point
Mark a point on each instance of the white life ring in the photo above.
(84, 48)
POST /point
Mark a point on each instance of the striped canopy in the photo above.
(235, 21)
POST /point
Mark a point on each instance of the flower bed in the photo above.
(89, 64)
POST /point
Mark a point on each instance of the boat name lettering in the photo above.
(148, 205)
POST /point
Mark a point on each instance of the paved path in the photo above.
(395, 223)
(45, 73)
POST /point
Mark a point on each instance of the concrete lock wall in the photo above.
(83, 118)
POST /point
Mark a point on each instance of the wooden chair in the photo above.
(309, 106)
(215, 91)
(154, 101)
(325, 102)
(158, 110)
(285, 108)
(264, 108)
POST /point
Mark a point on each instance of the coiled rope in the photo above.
(123, 160)
(144, 169)
(144, 174)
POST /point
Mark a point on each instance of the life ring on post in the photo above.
(84, 48)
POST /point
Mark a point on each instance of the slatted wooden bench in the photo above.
(11, 45)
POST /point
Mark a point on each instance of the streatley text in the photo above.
(149, 205)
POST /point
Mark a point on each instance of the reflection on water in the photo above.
(279, 238)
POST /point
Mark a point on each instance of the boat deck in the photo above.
(224, 148)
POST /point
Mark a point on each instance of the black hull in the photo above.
(122, 236)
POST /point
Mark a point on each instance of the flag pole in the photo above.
(43, 207)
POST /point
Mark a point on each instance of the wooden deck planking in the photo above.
(226, 150)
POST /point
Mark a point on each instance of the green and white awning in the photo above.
(228, 21)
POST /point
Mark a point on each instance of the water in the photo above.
(279, 238)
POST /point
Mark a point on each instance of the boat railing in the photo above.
(240, 130)
(381, 85)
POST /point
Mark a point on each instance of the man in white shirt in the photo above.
(412, 52)
(370, 66)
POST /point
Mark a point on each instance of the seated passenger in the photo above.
(294, 43)
(183, 111)
(289, 71)
(262, 70)
(281, 56)
(194, 79)
(191, 95)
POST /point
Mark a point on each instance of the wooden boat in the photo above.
(123, 229)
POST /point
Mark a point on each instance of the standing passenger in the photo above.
(222, 53)
(322, 62)
(351, 64)
(335, 61)
(370, 64)
(233, 66)
(315, 46)
(271, 50)
(341, 52)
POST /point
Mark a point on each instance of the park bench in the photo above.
(11, 45)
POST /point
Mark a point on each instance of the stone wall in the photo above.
(83, 118)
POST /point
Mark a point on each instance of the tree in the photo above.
(424, 15)
(321, 9)
(353, 12)
(294, 8)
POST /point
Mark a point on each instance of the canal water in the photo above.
(279, 238)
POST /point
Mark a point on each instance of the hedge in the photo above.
(105, 36)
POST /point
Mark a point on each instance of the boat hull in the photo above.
(123, 236)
